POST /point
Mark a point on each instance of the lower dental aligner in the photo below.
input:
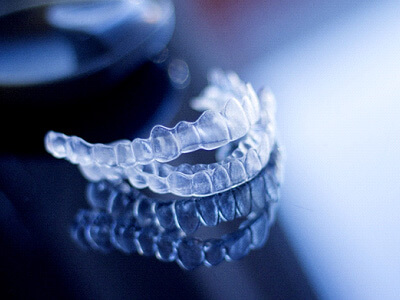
(239, 166)
(188, 215)
(103, 232)
(231, 109)
(124, 219)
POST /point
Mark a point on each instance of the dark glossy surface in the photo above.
(40, 196)
(47, 47)
(105, 115)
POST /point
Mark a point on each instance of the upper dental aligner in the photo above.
(239, 166)
(231, 109)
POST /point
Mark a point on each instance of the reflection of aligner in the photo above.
(250, 118)
(103, 232)
(188, 214)
(125, 219)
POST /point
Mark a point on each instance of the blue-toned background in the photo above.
(334, 67)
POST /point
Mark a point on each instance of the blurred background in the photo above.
(334, 67)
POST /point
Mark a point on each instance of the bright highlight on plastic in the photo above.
(234, 116)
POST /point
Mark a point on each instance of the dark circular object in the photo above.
(78, 45)
(81, 67)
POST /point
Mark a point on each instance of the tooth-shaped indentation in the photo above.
(252, 163)
(111, 174)
(165, 214)
(145, 237)
(259, 230)
(238, 244)
(165, 146)
(123, 235)
(212, 129)
(221, 99)
(144, 211)
(91, 172)
(272, 187)
(142, 151)
(121, 203)
(99, 195)
(236, 171)
(267, 101)
(56, 144)
(214, 251)
(274, 157)
(210, 98)
(242, 197)
(253, 97)
(237, 122)
(186, 215)
(124, 153)
(190, 253)
(264, 155)
(208, 211)
(223, 152)
(98, 234)
(180, 184)
(220, 179)
(185, 169)
(221, 79)
(238, 153)
(199, 168)
(227, 207)
(252, 115)
(202, 183)
(215, 76)
(79, 151)
(247, 144)
(258, 193)
(104, 155)
(135, 177)
(188, 136)
(157, 184)
(164, 170)
(166, 249)
(150, 169)
(234, 82)
(82, 221)
(270, 132)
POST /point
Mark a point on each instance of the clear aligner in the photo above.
(124, 219)
(240, 165)
(103, 232)
(231, 109)
(187, 215)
